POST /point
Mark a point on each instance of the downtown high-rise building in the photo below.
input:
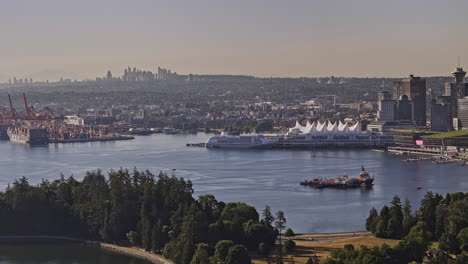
(456, 90)
(462, 113)
(441, 120)
(415, 90)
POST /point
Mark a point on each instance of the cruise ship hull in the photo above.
(238, 146)
(28, 136)
(244, 141)
(3, 131)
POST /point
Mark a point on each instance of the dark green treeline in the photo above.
(157, 213)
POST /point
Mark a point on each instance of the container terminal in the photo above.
(45, 126)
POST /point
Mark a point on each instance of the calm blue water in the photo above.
(257, 177)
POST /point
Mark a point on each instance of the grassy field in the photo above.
(452, 134)
(322, 244)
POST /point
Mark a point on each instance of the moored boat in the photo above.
(244, 141)
(28, 135)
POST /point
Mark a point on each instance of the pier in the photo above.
(200, 145)
(84, 140)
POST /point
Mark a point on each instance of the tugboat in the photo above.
(344, 182)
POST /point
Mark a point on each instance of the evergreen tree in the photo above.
(191, 234)
(238, 254)
(134, 238)
(156, 237)
(222, 250)
(381, 228)
(201, 255)
(416, 242)
(427, 210)
(408, 218)
(289, 232)
(146, 227)
(394, 225)
(372, 220)
(280, 225)
(462, 238)
(268, 216)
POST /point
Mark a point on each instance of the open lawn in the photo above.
(322, 244)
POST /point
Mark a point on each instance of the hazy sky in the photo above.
(85, 38)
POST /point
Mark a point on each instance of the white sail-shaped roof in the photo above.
(342, 127)
(332, 127)
(309, 128)
(355, 128)
(320, 126)
(327, 127)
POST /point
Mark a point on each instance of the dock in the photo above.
(200, 145)
(84, 140)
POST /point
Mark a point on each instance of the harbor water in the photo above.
(257, 177)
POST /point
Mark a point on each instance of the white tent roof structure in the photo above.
(327, 127)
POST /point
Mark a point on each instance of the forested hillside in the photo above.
(155, 213)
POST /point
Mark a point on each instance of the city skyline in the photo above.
(52, 39)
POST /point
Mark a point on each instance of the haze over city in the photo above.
(83, 39)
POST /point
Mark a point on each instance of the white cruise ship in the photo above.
(242, 141)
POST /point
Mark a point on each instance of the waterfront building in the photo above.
(463, 113)
(332, 134)
(74, 120)
(415, 90)
(387, 110)
(456, 90)
(388, 127)
(440, 114)
(405, 109)
(456, 141)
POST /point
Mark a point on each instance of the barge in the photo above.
(343, 182)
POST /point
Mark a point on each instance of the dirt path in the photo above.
(153, 258)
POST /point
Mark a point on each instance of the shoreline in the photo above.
(128, 251)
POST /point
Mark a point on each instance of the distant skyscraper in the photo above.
(387, 107)
(405, 109)
(440, 114)
(463, 113)
(415, 90)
